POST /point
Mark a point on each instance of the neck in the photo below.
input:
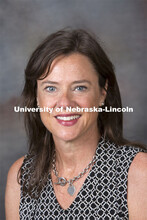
(73, 156)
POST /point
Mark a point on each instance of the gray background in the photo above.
(120, 24)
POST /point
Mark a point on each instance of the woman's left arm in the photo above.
(137, 188)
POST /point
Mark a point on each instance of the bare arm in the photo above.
(12, 194)
(137, 188)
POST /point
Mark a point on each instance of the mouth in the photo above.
(68, 117)
(67, 120)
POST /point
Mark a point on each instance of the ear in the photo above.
(106, 86)
(103, 94)
(37, 102)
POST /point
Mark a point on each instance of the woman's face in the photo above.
(71, 82)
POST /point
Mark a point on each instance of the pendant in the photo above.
(61, 181)
(71, 189)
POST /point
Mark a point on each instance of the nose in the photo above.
(65, 100)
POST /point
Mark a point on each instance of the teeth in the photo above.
(68, 118)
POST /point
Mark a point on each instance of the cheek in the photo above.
(89, 101)
(45, 101)
(92, 116)
(90, 119)
(47, 120)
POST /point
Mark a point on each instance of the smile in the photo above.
(67, 120)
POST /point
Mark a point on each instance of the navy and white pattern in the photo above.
(103, 195)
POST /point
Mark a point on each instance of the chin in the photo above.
(66, 136)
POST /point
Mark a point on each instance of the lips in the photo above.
(67, 120)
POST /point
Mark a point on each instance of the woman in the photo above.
(79, 166)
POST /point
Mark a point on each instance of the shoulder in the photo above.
(12, 194)
(138, 169)
(13, 171)
(137, 187)
(126, 155)
(139, 164)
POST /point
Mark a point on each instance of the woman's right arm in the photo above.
(12, 194)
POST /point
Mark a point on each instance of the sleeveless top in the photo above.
(103, 195)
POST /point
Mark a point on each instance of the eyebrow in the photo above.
(48, 82)
(82, 81)
(74, 82)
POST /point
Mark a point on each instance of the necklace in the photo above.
(63, 181)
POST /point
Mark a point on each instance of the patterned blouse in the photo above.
(103, 195)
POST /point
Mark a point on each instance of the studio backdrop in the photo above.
(121, 28)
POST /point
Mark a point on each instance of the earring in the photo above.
(102, 104)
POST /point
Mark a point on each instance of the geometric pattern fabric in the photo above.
(103, 195)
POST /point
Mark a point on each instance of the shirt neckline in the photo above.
(101, 140)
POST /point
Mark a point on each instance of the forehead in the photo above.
(72, 66)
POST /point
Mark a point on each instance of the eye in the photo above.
(50, 88)
(80, 88)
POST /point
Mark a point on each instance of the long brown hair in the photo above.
(110, 124)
